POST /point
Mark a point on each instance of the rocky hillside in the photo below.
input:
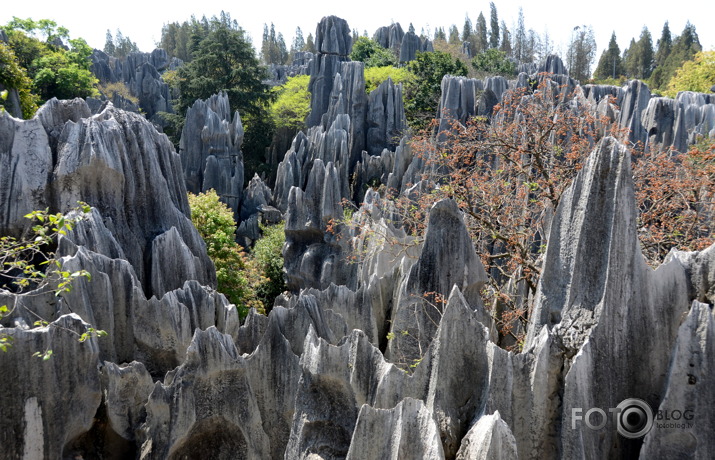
(329, 373)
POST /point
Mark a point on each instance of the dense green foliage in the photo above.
(267, 259)
(247, 281)
(15, 77)
(493, 61)
(292, 103)
(65, 74)
(684, 48)
(214, 221)
(54, 70)
(224, 60)
(610, 64)
(638, 58)
(374, 76)
(371, 53)
(696, 75)
(422, 92)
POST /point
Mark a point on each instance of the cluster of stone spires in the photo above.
(180, 376)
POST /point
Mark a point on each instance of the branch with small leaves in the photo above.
(29, 267)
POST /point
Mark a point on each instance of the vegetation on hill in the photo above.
(223, 59)
(422, 92)
(39, 64)
(247, 280)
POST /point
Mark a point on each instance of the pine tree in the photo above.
(466, 29)
(109, 47)
(481, 43)
(494, 27)
(454, 38)
(505, 45)
(310, 43)
(610, 65)
(683, 49)
(520, 37)
(581, 52)
(646, 54)
(298, 41)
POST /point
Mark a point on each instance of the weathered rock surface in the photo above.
(140, 73)
(333, 43)
(687, 431)
(210, 149)
(37, 422)
(404, 45)
(407, 431)
(489, 438)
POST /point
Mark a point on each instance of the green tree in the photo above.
(610, 65)
(374, 76)
(481, 43)
(581, 52)
(54, 70)
(467, 29)
(696, 75)
(109, 46)
(310, 44)
(665, 44)
(639, 56)
(12, 76)
(454, 38)
(267, 258)
(225, 61)
(123, 46)
(505, 45)
(65, 74)
(422, 93)
(214, 221)
(520, 38)
(493, 26)
(27, 265)
(298, 42)
(684, 49)
(273, 47)
(371, 53)
(292, 103)
(493, 61)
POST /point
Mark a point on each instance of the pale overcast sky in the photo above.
(142, 20)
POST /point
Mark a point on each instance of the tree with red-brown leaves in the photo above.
(676, 199)
(507, 172)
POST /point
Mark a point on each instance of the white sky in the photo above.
(142, 20)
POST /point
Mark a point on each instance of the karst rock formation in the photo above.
(354, 361)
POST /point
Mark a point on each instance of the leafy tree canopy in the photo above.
(292, 103)
(371, 53)
(55, 69)
(374, 76)
(493, 61)
(422, 92)
(214, 221)
(224, 60)
(696, 75)
(15, 77)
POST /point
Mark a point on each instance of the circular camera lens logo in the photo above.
(635, 418)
